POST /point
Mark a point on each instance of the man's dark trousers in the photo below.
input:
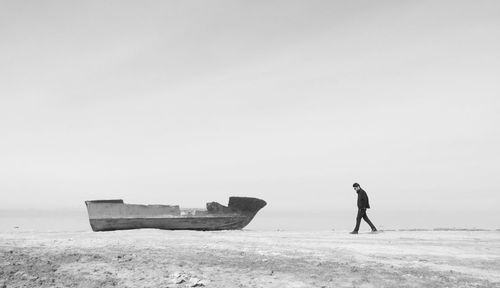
(362, 214)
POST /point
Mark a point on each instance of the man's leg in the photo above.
(358, 219)
(365, 217)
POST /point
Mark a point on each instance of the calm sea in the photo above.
(77, 220)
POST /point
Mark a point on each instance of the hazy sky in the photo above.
(185, 102)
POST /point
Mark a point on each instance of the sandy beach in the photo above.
(154, 258)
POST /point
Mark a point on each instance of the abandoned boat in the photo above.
(109, 215)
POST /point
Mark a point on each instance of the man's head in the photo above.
(356, 186)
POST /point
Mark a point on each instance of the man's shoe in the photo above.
(353, 232)
(374, 230)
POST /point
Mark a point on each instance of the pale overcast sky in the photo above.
(185, 102)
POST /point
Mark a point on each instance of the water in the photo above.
(268, 220)
(76, 220)
(44, 221)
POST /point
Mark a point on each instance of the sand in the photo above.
(155, 258)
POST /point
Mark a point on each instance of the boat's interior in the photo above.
(117, 209)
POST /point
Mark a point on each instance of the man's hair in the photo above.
(355, 185)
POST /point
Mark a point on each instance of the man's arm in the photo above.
(364, 200)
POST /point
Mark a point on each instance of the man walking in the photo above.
(363, 204)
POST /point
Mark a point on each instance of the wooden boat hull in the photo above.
(109, 215)
(212, 223)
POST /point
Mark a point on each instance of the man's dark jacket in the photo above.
(362, 199)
